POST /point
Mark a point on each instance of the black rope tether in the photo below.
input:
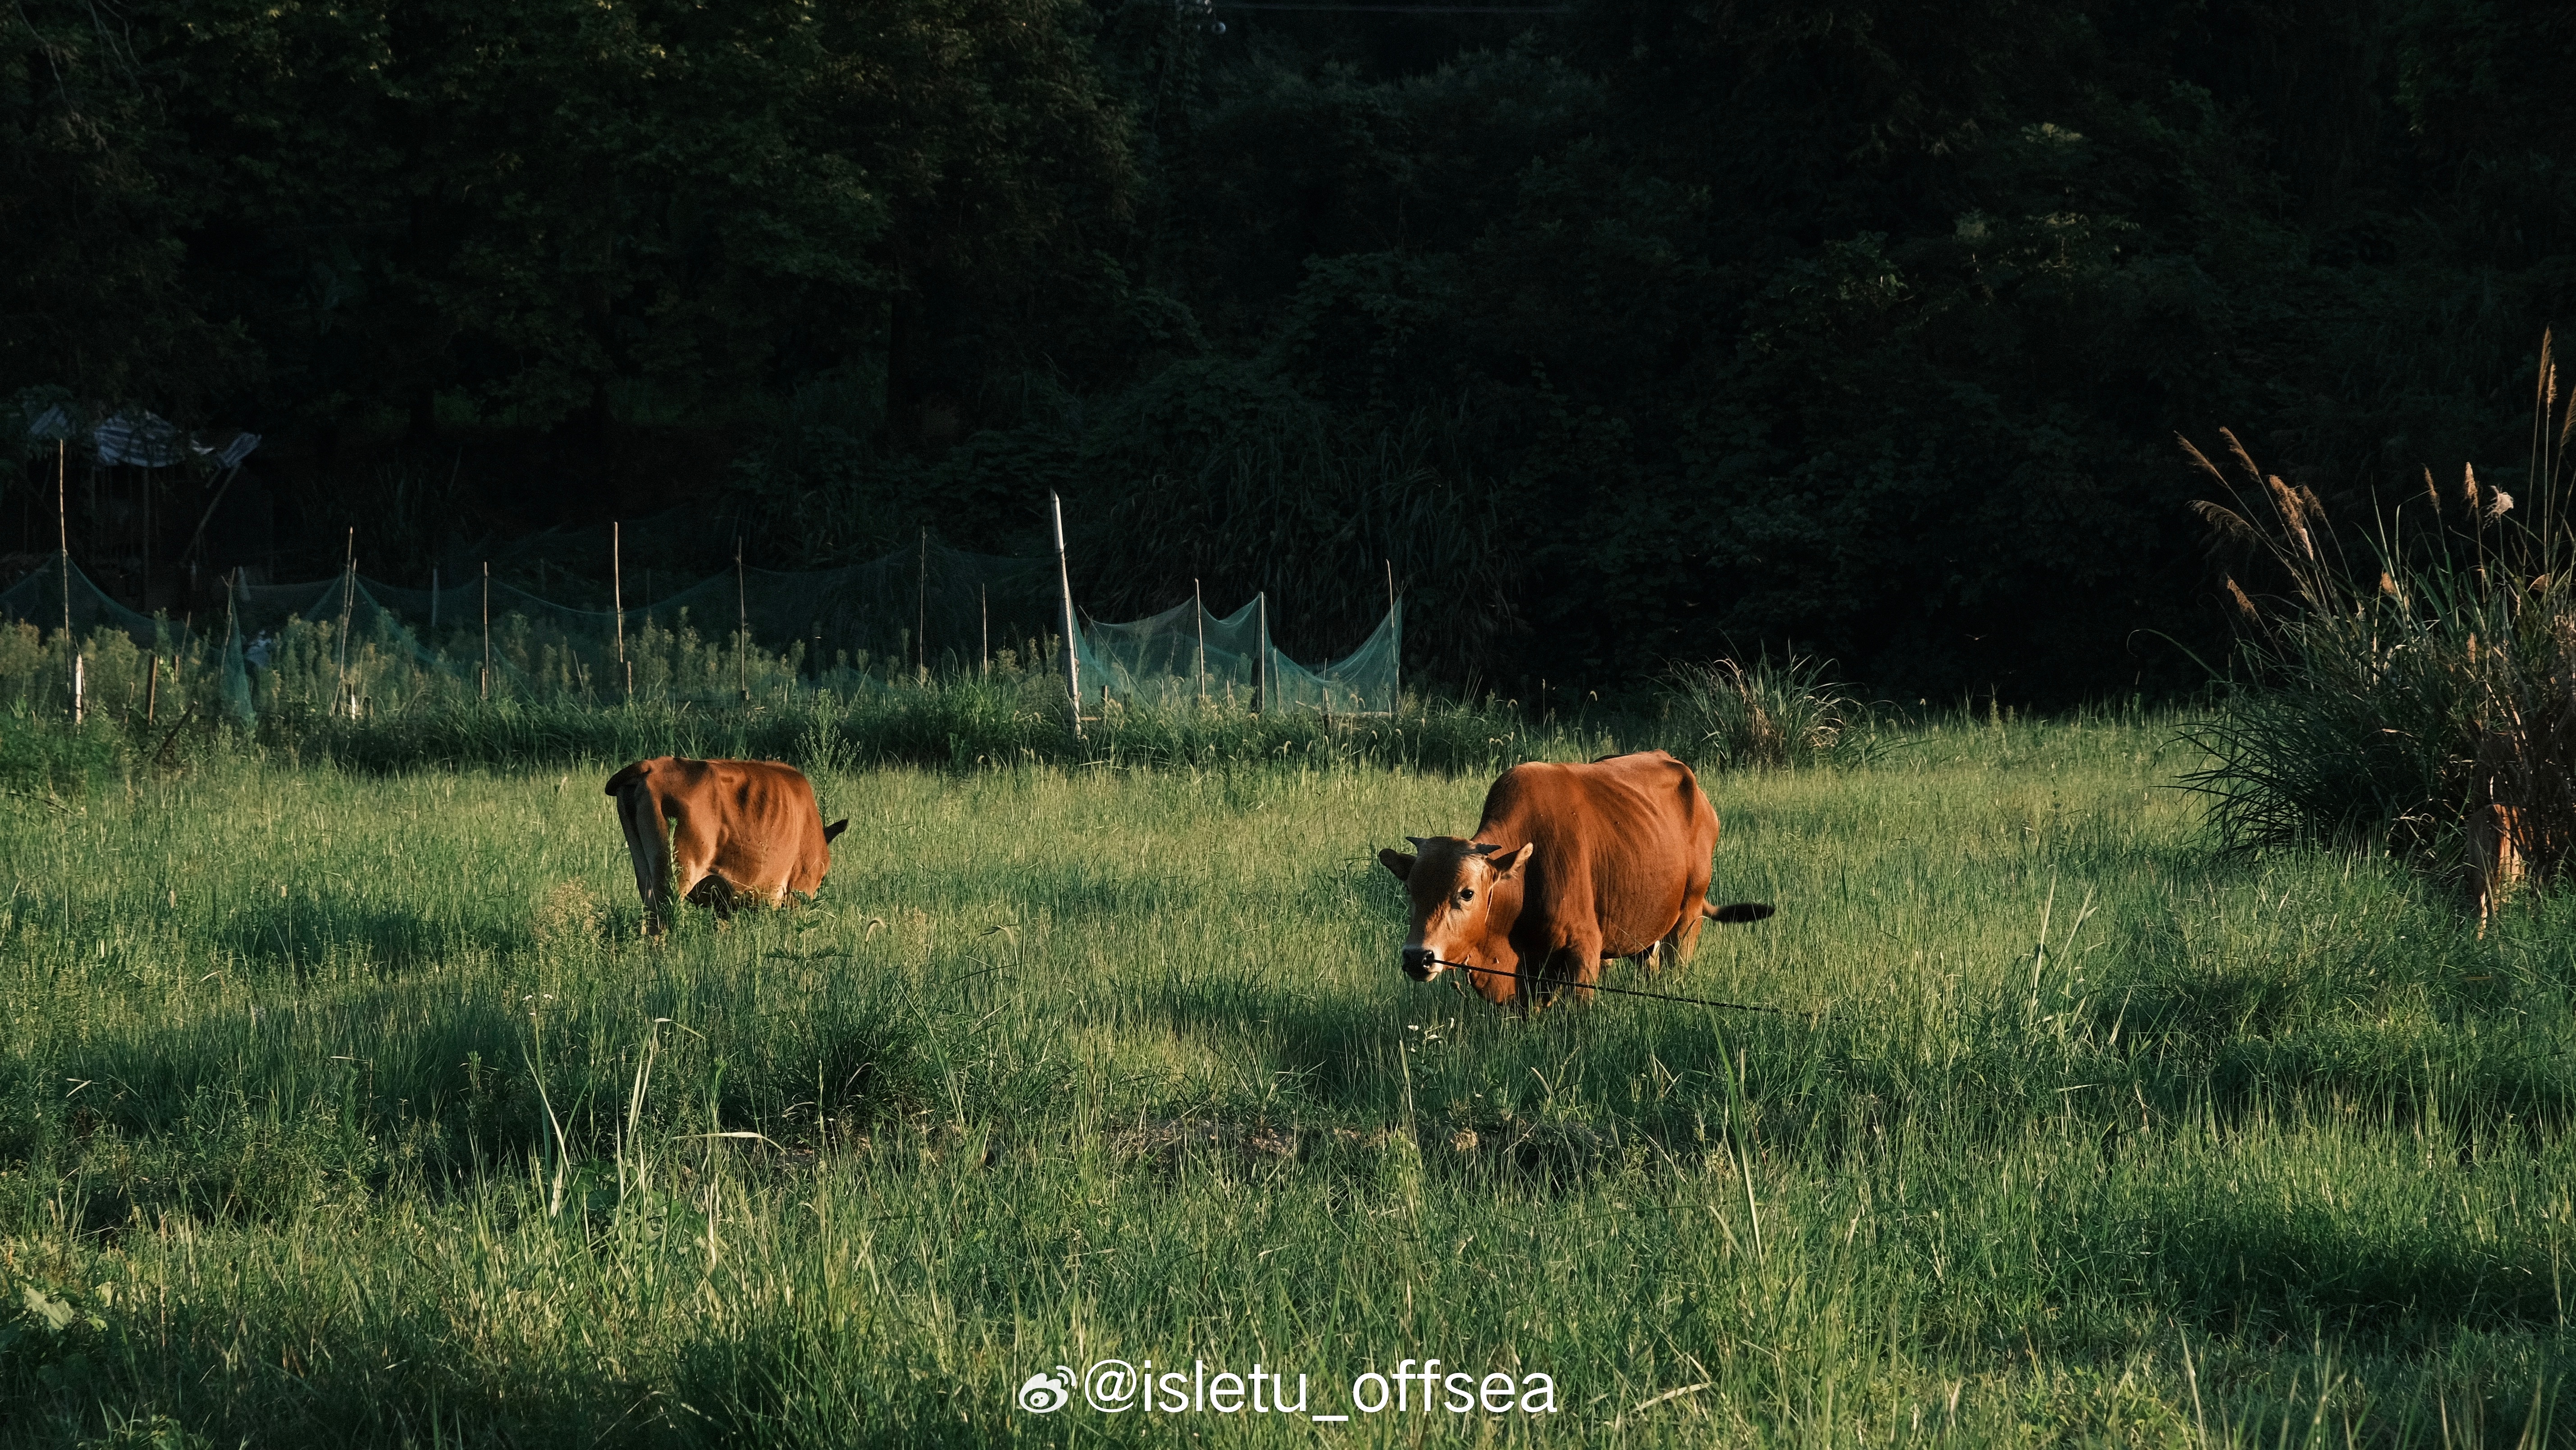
(1627, 991)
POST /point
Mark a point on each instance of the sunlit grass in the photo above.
(354, 1109)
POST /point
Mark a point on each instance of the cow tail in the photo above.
(1741, 911)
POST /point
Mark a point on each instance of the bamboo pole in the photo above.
(151, 686)
(1064, 578)
(63, 523)
(617, 601)
(348, 607)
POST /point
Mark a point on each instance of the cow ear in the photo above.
(834, 829)
(1506, 862)
(1397, 862)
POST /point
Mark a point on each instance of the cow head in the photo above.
(1466, 895)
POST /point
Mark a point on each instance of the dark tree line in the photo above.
(1649, 331)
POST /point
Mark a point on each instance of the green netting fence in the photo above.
(362, 646)
(1187, 653)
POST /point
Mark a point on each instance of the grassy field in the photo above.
(349, 1109)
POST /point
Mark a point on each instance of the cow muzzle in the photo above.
(1420, 963)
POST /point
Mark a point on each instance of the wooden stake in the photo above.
(984, 617)
(1199, 617)
(742, 628)
(1263, 679)
(151, 686)
(348, 606)
(487, 629)
(921, 607)
(617, 601)
(1072, 632)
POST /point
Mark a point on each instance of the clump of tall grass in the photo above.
(2381, 703)
(1732, 715)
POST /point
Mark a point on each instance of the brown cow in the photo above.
(1571, 865)
(746, 828)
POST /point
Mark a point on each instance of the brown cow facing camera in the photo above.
(744, 829)
(1571, 865)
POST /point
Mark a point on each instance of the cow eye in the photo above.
(1466, 894)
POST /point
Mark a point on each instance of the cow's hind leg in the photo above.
(1683, 939)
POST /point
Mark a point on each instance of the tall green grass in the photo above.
(351, 1108)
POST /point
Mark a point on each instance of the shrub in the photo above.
(1730, 715)
(2378, 707)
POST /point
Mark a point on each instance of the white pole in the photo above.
(1199, 618)
(1064, 577)
(63, 522)
(1263, 697)
(1395, 701)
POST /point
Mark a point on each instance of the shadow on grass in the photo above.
(2264, 1270)
(299, 934)
(261, 1115)
(83, 1369)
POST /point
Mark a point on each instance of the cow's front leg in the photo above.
(1575, 966)
(716, 892)
(648, 844)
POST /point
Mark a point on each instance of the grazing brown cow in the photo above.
(746, 828)
(2495, 857)
(1572, 864)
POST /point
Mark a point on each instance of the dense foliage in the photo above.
(1627, 335)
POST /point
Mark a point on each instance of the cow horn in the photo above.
(1419, 843)
(1483, 848)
